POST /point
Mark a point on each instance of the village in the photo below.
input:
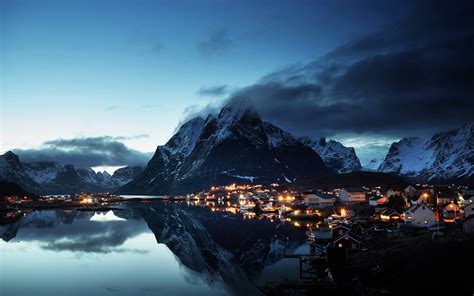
(416, 206)
(358, 236)
(355, 235)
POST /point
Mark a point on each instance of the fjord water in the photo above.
(143, 249)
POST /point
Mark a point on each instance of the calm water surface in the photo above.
(144, 249)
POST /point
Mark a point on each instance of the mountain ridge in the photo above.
(444, 156)
(335, 155)
(46, 177)
(235, 146)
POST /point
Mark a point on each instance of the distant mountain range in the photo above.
(336, 156)
(237, 146)
(51, 178)
(446, 156)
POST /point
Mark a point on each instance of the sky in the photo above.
(102, 83)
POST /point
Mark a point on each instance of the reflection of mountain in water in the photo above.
(216, 245)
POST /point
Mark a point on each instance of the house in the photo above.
(410, 191)
(352, 194)
(425, 197)
(467, 197)
(445, 194)
(348, 241)
(451, 212)
(392, 192)
(468, 225)
(420, 215)
(377, 200)
(389, 215)
(469, 211)
(339, 230)
(441, 200)
(318, 199)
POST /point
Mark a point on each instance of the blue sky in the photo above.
(133, 69)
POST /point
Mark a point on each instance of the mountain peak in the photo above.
(336, 156)
(184, 140)
(11, 157)
(444, 156)
(237, 109)
(234, 147)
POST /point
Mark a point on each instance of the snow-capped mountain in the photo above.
(445, 156)
(124, 175)
(12, 170)
(336, 156)
(202, 242)
(51, 178)
(234, 146)
(372, 165)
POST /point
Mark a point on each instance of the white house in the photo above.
(318, 199)
(469, 210)
(420, 216)
(352, 194)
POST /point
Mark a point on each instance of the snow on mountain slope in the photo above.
(372, 165)
(340, 158)
(12, 170)
(234, 146)
(50, 178)
(124, 175)
(42, 172)
(445, 156)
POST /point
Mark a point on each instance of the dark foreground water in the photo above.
(144, 249)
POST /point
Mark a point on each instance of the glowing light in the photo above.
(343, 213)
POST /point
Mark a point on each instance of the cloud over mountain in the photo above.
(413, 77)
(86, 152)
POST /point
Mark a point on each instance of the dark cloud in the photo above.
(87, 152)
(216, 43)
(218, 90)
(413, 77)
